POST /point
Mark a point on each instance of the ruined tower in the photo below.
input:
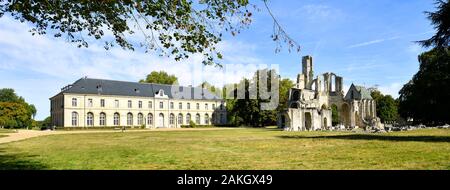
(307, 70)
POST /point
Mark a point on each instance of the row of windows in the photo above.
(90, 103)
(141, 120)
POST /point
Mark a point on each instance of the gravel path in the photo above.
(26, 134)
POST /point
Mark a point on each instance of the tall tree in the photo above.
(425, 97)
(387, 107)
(14, 115)
(9, 95)
(12, 110)
(441, 21)
(284, 87)
(177, 28)
(160, 77)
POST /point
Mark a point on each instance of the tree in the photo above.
(14, 115)
(8, 95)
(284, 87)
(177, 28)
(334, 115)
(387, 107)
(441, 21)
(425, 97)
(160, 77)
(32, 110)
(248, 111)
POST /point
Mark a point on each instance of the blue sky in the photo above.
(367, 42)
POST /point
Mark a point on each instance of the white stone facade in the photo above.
(97, 110)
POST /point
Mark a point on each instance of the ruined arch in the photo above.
(345, 114)
(296, 95)
(308, 121)
(334, 115)
(325, 123)
(313, 85)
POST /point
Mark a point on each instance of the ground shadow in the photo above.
(375, 137)
(10, 161)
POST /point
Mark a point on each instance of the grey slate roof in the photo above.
(362, 93)
(365, 94)
(122, 88)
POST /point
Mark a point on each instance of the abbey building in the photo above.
(107, 103)
(319, 103)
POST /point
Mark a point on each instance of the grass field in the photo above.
(3, 132)
(7, 131)
(231, 149)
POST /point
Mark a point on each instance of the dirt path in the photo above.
(26, 134)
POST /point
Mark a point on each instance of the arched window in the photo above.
(198, 106)
(150, 119)
(74, 102)
(140, 119)
(172, 119)
(74, 119)
(180, 118)
(206, 106)
(206, 119)
(188, 118)
(129, 119)
(90, 119)
(116, 119)
(197, 119)
(102, 119)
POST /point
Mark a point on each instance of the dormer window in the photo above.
(161, 92)
(99, 88)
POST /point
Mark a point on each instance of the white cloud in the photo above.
(372, 42)
(318, 13)
(52, 63)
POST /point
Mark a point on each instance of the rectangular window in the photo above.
(102, 103)
(213, 106)
(206, 106)
(74, 102)
(188, 106)
(180, 105)
(130, 105)
(140, 104)
(198, 106)
(171, 105)
(150, 104)
(116, 103)
(161, 105)
(90, 103)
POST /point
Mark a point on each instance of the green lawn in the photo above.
(231, 149)
(7, 131)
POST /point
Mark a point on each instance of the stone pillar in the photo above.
(374, 108)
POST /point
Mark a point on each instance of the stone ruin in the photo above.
(311, 101)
